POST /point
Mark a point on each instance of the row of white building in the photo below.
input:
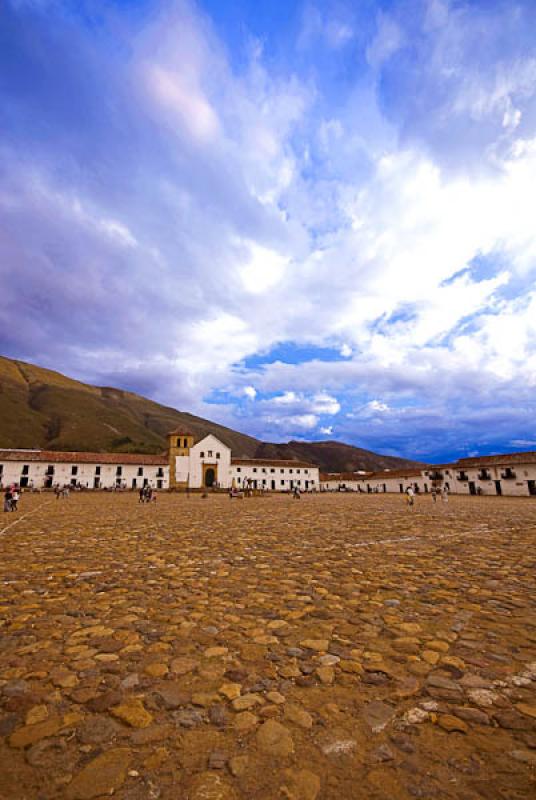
(188, 464)
(204, 463)
(511, 474)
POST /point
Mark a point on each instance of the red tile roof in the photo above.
(55, 457)
(506, 459)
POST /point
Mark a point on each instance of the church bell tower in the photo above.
(179, 444)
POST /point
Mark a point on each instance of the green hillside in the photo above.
(42, 408)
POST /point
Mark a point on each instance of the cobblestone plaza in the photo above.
(338, 647)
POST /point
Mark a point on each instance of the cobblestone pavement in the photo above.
(337, 647)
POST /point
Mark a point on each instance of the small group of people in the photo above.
(62, 491)
(147, 495)
(11, 498)
(435, 492)
(441, 492)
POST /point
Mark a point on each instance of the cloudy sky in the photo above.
(305, 220)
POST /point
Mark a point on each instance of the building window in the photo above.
(264, 469)
(238, 480)
(290, 471)
(25, 469)
(186, 443)
(160, 473)
(50, 469)
(239, 469)
(119, 471)
(297, 471)
(74, 470)
(272, 469)
(306, 472)
(254, 469)
(97, 470)
(281, 470)
(282, 482)
(140, 471)
(210, 453)
(202, 455)
(217, 455)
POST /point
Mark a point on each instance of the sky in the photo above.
(304, 220)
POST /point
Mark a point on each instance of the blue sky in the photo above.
(308, 220)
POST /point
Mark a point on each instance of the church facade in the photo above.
(209, 462)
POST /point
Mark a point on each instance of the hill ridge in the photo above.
(40, 407)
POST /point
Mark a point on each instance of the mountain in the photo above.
(334, 456)
(40, 408)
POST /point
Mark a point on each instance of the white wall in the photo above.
(276, 478)
(12, 472)
(510, 487)
(208, 451)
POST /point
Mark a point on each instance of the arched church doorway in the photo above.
(210, 477)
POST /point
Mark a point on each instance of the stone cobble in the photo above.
(340, 647)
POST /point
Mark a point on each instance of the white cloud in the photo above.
(264, 268)
(250, 392)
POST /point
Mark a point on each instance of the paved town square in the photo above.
(342, 646)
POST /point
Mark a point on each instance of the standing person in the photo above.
(433, 492)
(7, 500)
(14, 498)
(142, 495)
(410, 497)
(445, 494)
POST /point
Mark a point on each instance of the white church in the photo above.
(209, 462)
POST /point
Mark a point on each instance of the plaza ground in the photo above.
(336, 647)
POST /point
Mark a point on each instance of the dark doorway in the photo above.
(23, 481)
(498, 487)
(210, 477)
(472, 487)
(273, 485)
(532, 487)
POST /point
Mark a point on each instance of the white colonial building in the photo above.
(44, 469)
(189, 464)
(512, 474)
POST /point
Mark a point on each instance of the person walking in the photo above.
(410, 497)
(445, 494)
(7, 500)
(14, 499)
(142, 495)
